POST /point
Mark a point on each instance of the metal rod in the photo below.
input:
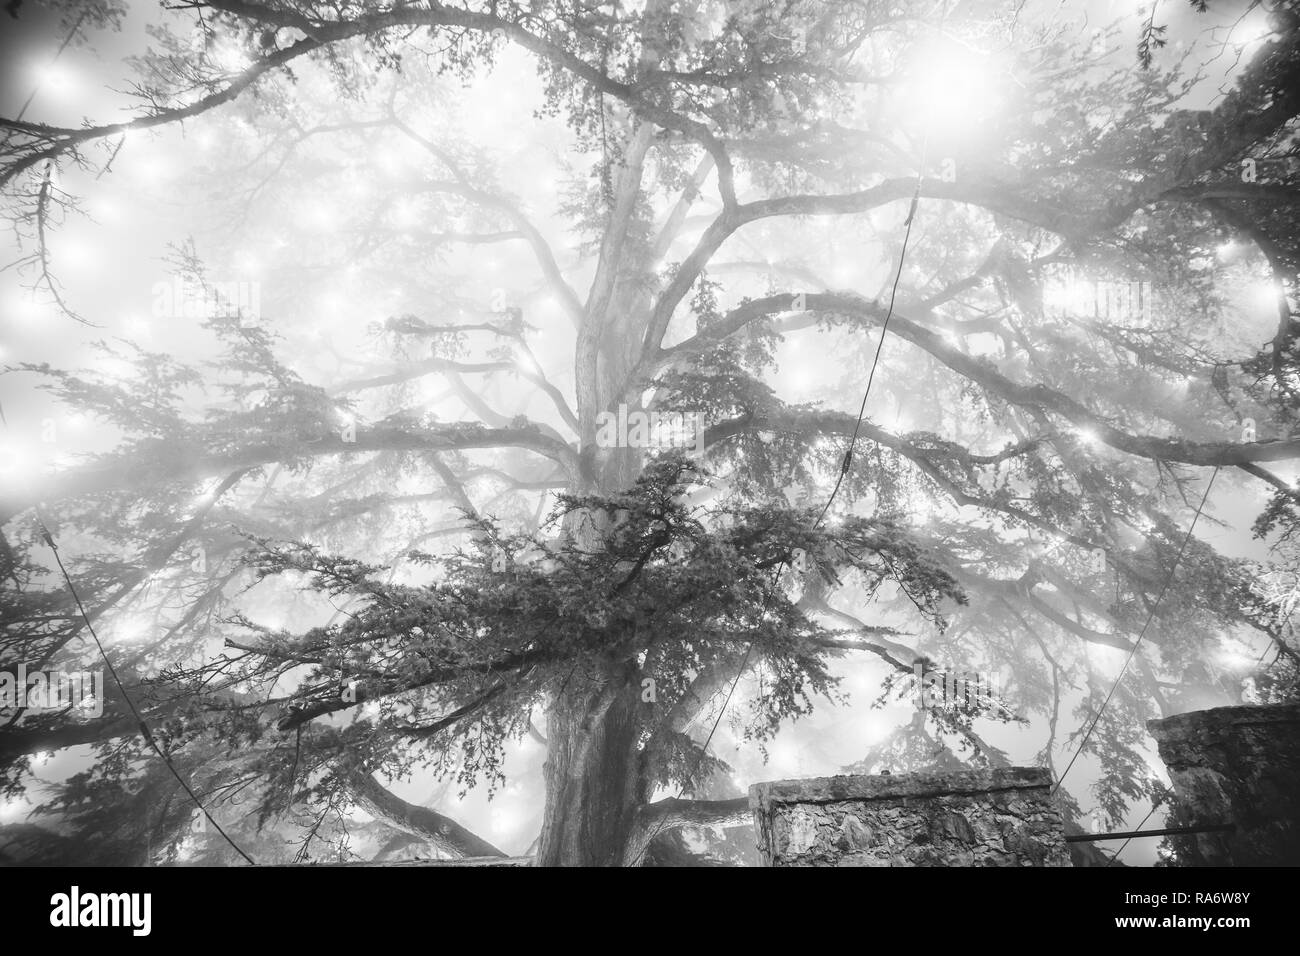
(1167, 831)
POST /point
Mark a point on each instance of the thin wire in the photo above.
(847, 463)
(1154, 806)
(144, 727)
(1150, 616)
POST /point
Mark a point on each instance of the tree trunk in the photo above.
(594, 784)
(593, 787)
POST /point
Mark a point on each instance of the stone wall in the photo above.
(960, 818)
(1238, 765)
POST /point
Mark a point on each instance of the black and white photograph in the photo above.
(501, 434)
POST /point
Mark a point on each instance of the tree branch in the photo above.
(1039, 397)
(421, 822)
(121, 473)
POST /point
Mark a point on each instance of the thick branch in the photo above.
(672, 814)
(137, 474)
(983, 374)
(429, 825)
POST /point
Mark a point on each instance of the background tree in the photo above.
(371, 532)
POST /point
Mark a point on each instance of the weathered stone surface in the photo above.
(1238, 765)
(962, 818)
(473, 861)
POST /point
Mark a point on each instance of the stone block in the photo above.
(998, 817)
(1237, 765)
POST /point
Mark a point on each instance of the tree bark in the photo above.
(420, 822)
(593, 785)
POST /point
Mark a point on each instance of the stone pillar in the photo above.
(1238, 765)
(999, 817)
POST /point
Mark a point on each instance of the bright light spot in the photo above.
(1251, 29)
(153, 167)
(10, 810)
(231, 59)
(206, 490)
(320, 215)
(1265, 295)
(799, 381)
(405, 215)
(105, 210)
(1226, 251)
(131, 630)
(953, 87)
(785, 756)
(505, 820)
(119, 370)
(921, 508)
(22, 307)
(525, 360)
(550, 185)
(1235, 659)
(428, 391)
(12, 460)
(74, 254)
(76, 420)
(1070, 296)
(843, 274)
(330, 302)
(1087, 436)
(57, 79)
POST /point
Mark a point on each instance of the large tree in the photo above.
(414, 427)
